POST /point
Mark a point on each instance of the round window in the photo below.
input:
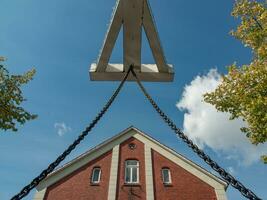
(132, 146)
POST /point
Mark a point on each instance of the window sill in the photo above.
(132, 185)
(95, 184)
(167, 184)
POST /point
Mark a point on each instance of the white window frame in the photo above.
(99, 176)
(131, 172)
(169, 174)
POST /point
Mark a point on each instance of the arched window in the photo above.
(166, 175)
(131, 171)
(96, 173)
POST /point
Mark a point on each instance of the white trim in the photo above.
(99, 175)
(220, 193)
(131, 167)
(39, 195)
(112, 188)
(162, 149)
(218, 184)
(149, 174)
(84, 159)
(169, 175)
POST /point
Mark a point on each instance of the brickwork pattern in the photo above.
(78, 185)
(126, 191)
(184, 186)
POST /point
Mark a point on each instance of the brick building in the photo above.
(131, 165)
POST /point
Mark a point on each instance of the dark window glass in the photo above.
(96, 175)
(166, 175)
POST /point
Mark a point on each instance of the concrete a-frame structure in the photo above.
(132, 16)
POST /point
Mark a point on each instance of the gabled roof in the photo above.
(108, 145)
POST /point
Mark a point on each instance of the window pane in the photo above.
(127, 175)
(131, 162)
(165, 174)
(131, 171)
(134, 175)
(96, 174)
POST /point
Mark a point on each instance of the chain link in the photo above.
(225, 175)
(25, 191)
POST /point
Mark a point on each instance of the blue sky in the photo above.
(62, 38)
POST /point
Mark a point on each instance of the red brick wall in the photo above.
(78, 186)
(185, 186)
(138, 191)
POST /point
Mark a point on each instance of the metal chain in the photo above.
(225, 175)
(54, 164)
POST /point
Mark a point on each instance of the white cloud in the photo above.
(207, 127)
(61, 128)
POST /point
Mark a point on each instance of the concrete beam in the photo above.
(115, 72)
(132, 15)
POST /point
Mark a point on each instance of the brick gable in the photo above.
(184, 185)
(77, 185)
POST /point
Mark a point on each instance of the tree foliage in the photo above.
(243, 91)
(11, 97)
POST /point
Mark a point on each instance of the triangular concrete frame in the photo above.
(132, 15)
